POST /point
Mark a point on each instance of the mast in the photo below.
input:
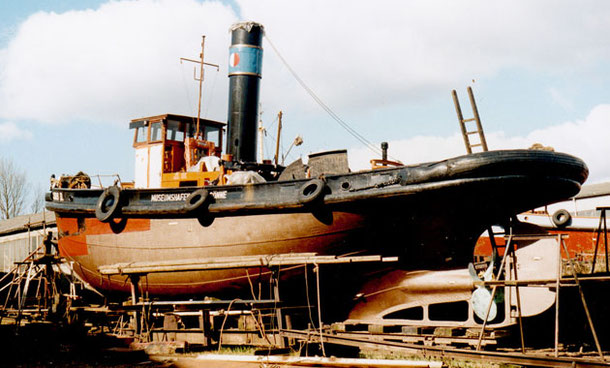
(201, 63)
(277, 141)
(261, 139)
(200, 86)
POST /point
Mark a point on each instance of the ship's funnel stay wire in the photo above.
(325, 107)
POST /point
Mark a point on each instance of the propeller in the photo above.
(481, 297)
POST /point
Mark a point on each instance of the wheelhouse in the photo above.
(170, 152)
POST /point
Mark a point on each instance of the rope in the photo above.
(317, 270)
(325, 107)
(223, 323)
(307, 296)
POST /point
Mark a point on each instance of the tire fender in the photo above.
(311, 191)
(108, 204)
(561, 218)
(196, 199)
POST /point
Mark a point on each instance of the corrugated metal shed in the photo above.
(21, 223)
(21, 235)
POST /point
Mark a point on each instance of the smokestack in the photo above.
(245, 64)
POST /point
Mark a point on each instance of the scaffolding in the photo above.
(30, 289)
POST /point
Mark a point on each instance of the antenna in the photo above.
(200, 79)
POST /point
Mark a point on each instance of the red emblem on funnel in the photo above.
(234, 59)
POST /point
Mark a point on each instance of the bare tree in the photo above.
(37, 205)
(13, 189)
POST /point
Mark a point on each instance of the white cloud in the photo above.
(9, 131)
(115, 63)
(358, 54)
(587, 139)
(120, 61)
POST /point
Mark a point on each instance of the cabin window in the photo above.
(174, 133)
(213, 135)
(190, 129)
(142, 134)
(455, 311)
(155, 132)
(413, 313)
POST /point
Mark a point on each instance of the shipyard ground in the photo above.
(43, 344)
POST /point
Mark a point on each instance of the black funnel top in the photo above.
(245, 64)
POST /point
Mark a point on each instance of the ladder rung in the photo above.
(476, 145)
(473, 132)
(467, 120)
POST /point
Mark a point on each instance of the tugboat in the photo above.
(190, 200)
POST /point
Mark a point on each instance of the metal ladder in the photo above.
(465, 132)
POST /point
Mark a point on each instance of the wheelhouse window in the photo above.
(141, 134)
(174, 131)
(212, 134)
(192, 128)
(155, 132)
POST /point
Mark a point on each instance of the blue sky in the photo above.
(73, 73)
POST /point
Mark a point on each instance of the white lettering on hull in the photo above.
(219, 195)
(174, 197)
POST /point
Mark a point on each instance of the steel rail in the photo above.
(527, 359)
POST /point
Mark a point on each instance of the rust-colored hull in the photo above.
(95, 244)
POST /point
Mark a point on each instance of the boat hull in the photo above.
(429, 215)
(156, 240)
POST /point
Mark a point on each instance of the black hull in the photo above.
(517, 179)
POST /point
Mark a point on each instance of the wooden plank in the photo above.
(217, 360)
(221, 263)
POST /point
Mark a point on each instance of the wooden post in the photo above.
(206, 328)
(277, 140)
(557, 286)
(514, 268)
(135, 297)
(278, 311)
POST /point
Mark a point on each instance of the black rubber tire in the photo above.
(561, 218)
(311, 191)
(196, 199)
(104, 211)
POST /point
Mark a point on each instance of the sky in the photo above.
(73, 74)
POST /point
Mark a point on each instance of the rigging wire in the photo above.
(325, 107)
(188, 94)
(206, 108)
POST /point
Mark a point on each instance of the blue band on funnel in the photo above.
(245, 60)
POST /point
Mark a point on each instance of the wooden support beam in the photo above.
(221, 263)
